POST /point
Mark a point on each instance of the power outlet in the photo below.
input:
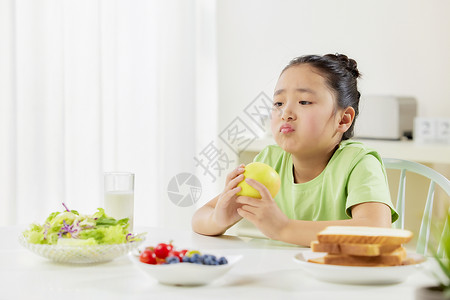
(425, 130)
(432, 130)
(443, 130)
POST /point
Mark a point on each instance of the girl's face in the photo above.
(305, 118)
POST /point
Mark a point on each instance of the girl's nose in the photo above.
(287, 114)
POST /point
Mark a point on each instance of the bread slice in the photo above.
(353, 249)
(364, 235)
(394, 258)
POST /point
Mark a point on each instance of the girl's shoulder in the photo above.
(351, 152)
(272, 155)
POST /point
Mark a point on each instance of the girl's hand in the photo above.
(225, 212)
(264, 213)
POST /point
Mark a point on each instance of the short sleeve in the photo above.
(368, 183)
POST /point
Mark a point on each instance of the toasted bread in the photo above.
(394, 258)
(353, 249)
(364, 235)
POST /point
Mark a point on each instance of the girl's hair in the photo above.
(340, 73)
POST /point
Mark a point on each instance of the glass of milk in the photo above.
(119, 196)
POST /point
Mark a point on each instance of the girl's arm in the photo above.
(203, 221)
(299, 232)
(267, 216)
(219, 214)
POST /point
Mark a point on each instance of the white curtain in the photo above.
(109, 85)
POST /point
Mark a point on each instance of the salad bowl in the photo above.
(81, 254)
(70, 237)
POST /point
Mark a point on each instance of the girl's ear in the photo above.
(347, 117)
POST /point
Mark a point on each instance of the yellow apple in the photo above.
(262, 173)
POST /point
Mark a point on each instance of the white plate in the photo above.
(356, 275)
(185, 273)
(80, 254)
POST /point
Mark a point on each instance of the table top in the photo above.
(267, 270)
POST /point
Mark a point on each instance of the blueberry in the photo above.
(195, 257)
(201, 258)
(208, 261)
(222, 261)
(186, 259)
(172, 260)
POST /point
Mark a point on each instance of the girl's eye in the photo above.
(304, 102)
(277, 104)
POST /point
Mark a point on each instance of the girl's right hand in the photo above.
(225, 212)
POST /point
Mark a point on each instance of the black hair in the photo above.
(341, 74)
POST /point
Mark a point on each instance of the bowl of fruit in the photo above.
(171, 266)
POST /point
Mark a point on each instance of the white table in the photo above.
(267, 271)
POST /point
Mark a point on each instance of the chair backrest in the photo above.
(435, 178)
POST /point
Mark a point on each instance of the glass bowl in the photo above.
(80, 254)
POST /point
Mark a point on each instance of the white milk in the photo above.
(119, 205)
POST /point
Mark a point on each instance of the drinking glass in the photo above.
(119, 196)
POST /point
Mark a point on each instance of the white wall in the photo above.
(402, 47)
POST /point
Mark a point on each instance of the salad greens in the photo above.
(71, 228)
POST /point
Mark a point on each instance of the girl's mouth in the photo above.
(286, 128)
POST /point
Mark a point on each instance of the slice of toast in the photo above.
(353, 249)
(394, 258)
(364, 235)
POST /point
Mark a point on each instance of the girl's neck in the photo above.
(306, 168)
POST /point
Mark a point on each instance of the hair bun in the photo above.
(348, 63)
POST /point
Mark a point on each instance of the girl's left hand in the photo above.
(264, 213)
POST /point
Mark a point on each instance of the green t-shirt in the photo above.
(354, 174)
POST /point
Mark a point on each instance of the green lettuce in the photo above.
(71, 228)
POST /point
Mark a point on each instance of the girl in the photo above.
(326, 178)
